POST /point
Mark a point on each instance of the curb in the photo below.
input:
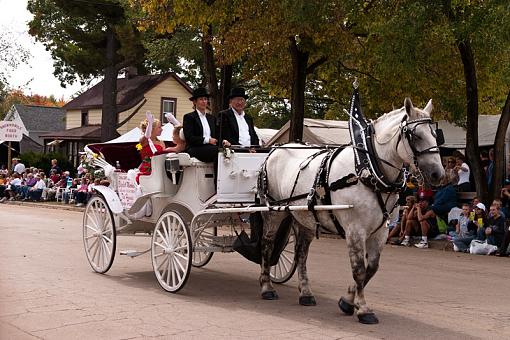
(62, 206)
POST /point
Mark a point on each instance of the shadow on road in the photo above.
(241, 292)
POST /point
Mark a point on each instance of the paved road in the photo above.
(48, 291)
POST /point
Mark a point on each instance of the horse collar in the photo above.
(365, 158)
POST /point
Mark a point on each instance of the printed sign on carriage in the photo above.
(126, 190)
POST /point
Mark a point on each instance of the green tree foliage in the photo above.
(43, 161)
(457, 52)
(88, 39)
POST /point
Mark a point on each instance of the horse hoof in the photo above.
(345, 306)
(307, 301)
(368, 318)
(270, 295)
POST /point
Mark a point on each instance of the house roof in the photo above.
(130, 91)
(89, 133)
(41, 118)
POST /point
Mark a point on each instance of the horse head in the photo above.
(419, 145)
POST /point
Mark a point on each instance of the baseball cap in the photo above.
(481, 206)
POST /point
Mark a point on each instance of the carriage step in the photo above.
(133, 253)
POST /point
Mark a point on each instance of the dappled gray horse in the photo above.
(402, 137)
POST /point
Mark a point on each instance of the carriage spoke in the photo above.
(177, 261)
(162, 238)
(177, 265)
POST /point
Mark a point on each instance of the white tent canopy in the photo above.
(317, 131)
(455, 136)
(133, 136)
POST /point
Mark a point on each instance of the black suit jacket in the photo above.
(192, 128)
(229, 130)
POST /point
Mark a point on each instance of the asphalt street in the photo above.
(49, 291)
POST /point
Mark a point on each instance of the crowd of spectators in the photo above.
(33, 184)
(437, 213)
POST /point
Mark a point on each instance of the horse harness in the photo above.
(366, 160)
(367, 167)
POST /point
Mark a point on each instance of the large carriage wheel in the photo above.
(201, 258)
(286, 266)
(171, 252)
(99, 236)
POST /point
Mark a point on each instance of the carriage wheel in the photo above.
(201, 258)
(99, 236)
(171, 252)
(286, 266)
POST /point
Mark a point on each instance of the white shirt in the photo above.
(19, 168)
(15, 182)
(205, 127)
(39, 185)
(464, 174)
(244, 130)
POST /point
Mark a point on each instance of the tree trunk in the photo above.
(109, 114)
(210, 71)
(226, 85)
(472, 150)
(499, 150)
(297, 99)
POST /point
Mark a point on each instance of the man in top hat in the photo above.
(236, 127)
(200, 128)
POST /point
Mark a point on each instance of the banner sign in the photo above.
(11, 131)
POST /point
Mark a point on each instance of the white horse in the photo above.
(401, 137)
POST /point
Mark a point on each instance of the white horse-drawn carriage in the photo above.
(351, 190)
(178, 205)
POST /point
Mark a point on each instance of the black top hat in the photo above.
(199, 92)
(237, 92)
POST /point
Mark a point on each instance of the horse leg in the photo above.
(304, 238)
(375, 244)
(356, 245)
(271, 223)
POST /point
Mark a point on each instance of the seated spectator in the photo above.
(14, 187)
(497, 202)
(477, 220)
(494, 230)
(503, 251)
(81, 194)
(399, 230)
(461, 227)
(425, 224)
(505, 200)
(69, 192)
(54, 176)
(3, 184)
(30, 182)
(445, 199)
(91, 187)
(35, 192)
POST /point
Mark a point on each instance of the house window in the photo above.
(84, 117)
(168, 105)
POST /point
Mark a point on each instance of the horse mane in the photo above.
(388, 122)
